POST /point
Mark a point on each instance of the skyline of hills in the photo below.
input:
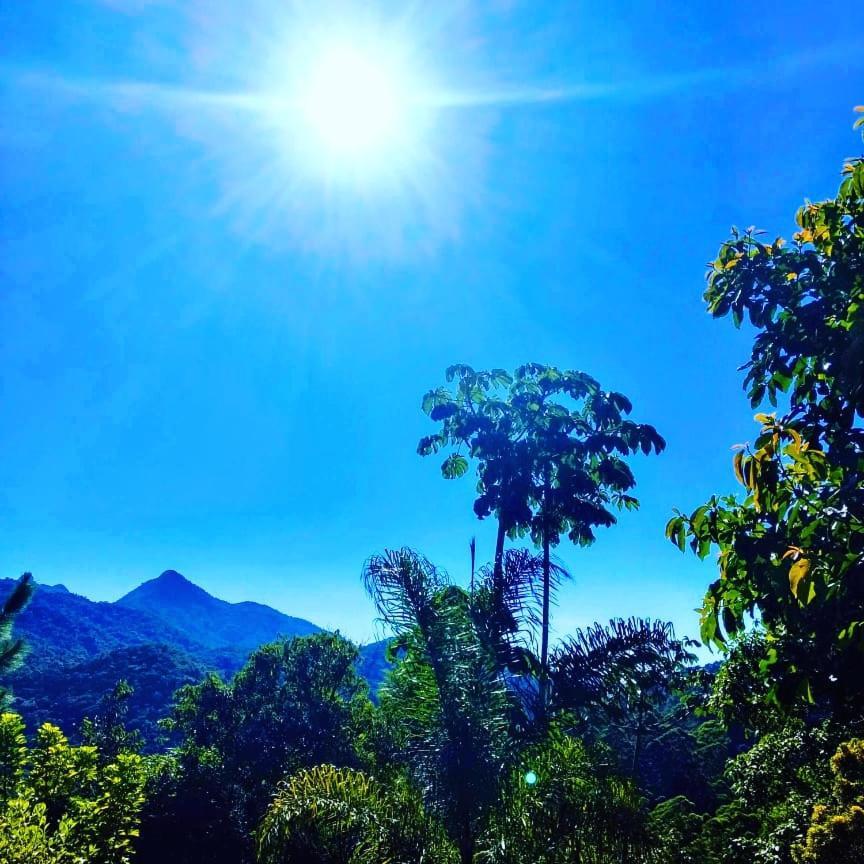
(163, 634)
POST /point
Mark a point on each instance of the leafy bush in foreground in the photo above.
(62, 804)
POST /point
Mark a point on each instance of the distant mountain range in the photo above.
(165, 633)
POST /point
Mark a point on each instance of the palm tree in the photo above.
(447, 700)
(329, 815)
(619, 674)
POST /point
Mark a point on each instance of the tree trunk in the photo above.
(466, 845)
(637, 742)
(499, 550)
(547, 590)
(544, 635)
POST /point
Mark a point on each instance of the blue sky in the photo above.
(213, 357)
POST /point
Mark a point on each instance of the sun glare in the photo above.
(351, 102)
(342, 138)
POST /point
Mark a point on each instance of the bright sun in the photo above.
(352, 103)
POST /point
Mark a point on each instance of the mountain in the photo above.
(165, 633)
(62, 628)
(209, 621)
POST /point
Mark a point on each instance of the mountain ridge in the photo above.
(209, 620)
(168, 617)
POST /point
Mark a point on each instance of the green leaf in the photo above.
(676, 531)
(454, 466)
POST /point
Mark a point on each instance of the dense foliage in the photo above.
(836, 831)
(62, 804)
(294, 705)
(792, 549)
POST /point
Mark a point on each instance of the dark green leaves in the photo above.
(548, 446)
(455, 465)
(12, 650)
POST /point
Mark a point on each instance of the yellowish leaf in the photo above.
(737, 461)
(797, 572)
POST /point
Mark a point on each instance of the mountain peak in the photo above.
(206, 619)
(169, 577)
(170, 587)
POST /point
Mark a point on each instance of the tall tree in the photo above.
(476, 416)
(791, 549)
(551, 450)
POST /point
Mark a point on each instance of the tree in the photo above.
(294, 705)
(550, 448)
(446, 701)
(621, 676)
(457, 708)
(107, 731)
(791, 550)
(12, 650)
(62, 804)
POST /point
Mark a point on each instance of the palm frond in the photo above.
(402, 585)
(343, 816)
(599, 661)
(20, 596)
(506, 607)
(13, 651)
(15, 604)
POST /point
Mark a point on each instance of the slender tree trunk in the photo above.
(637, 743)
(499, 550)
(544, 635)
(547, 590)
(466, 845)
